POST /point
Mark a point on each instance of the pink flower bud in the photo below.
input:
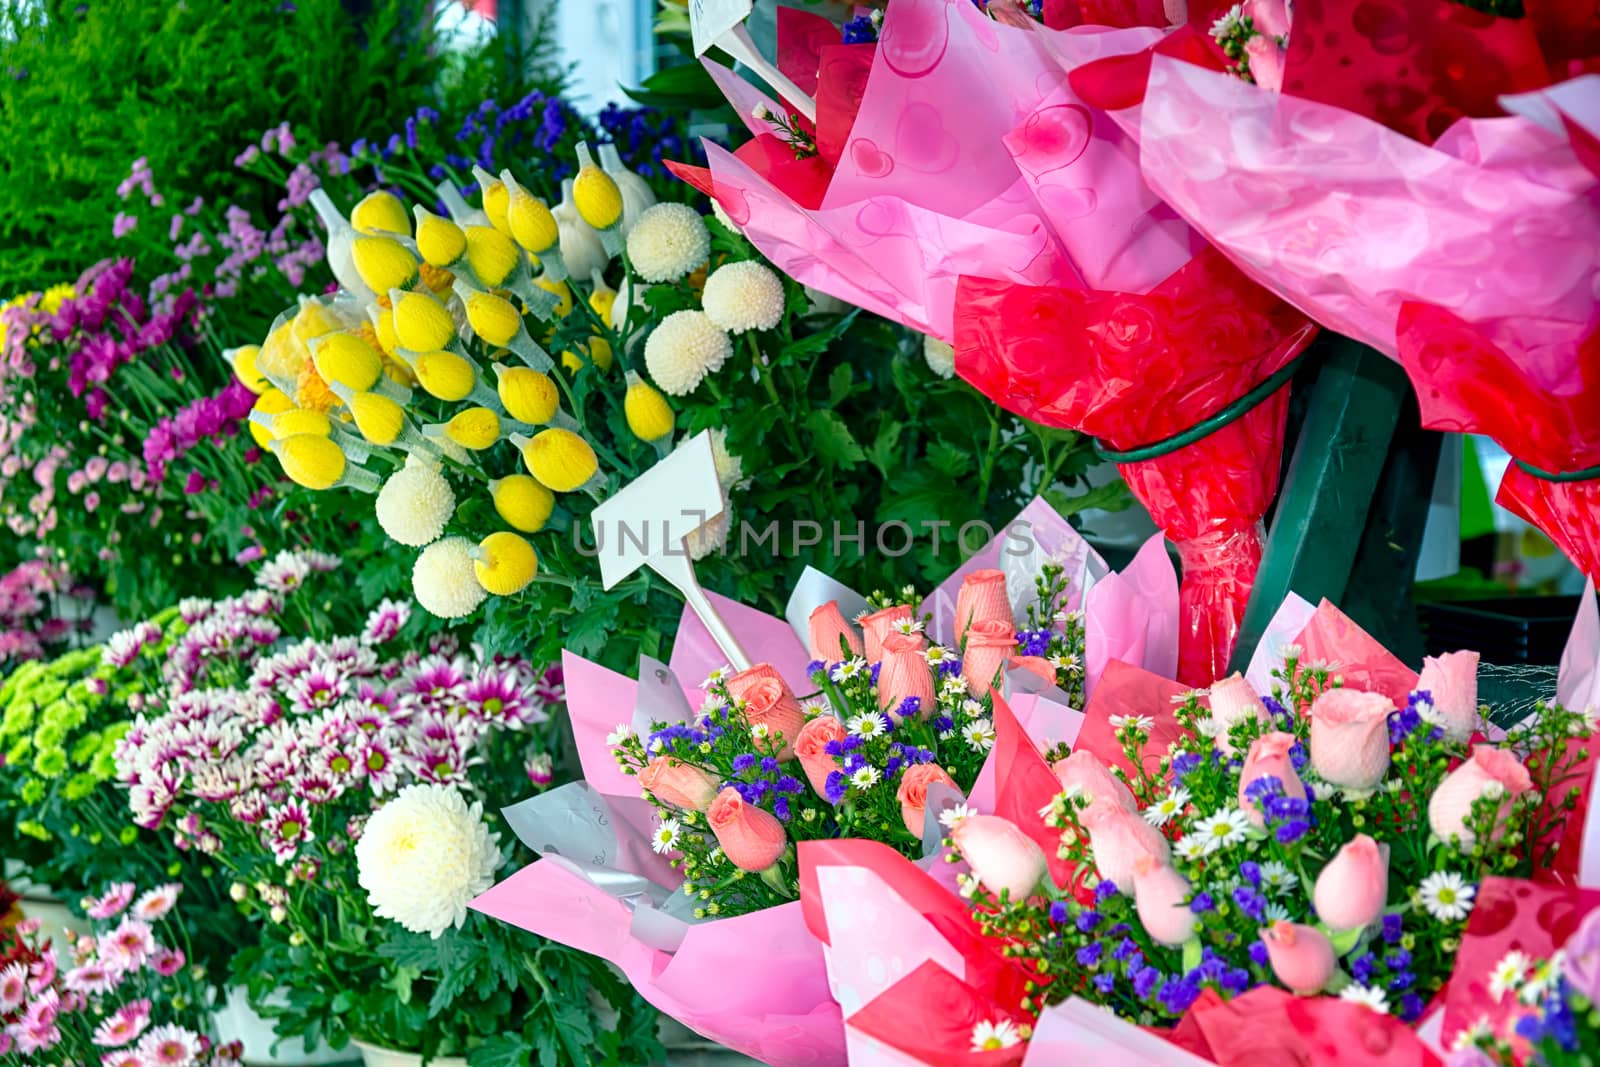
(905, 672)
(1002, 857)
(1490, 772)
(678, 784)
(1301, 956)
(1159, 893)
(1269, 758)
(1353, 887)
(1266, 62)
(811, 749)
(879, 625)
(990, 645)
(830, 634)
(769, 703)
(913, 794)
(982, 598)
(1451, 682)
(1271, 17)
(1119, 840)
(1350, 737)
(1234, 700)
(1084, 771)
(752, 839)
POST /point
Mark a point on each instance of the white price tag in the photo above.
(710, 19)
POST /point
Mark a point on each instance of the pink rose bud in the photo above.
(831, 634)
(811, 749)
(1003, 857)
(1451, 682)
(1234, 700)
(1037, 666)
(1271, 17)
(1266, 62)
(1269, 758)
(903, 673)
(982, 598)
(1301, 956)
(879, 625)
(678, 784)
(1084, 772)
(913, 794)
(1350, 737)
(1353, 887)
(1119, 840)
(1159, 894)
(990, 646)
(1490, 772)
(769, 703)
(752, 839)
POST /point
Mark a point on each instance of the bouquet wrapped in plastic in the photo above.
(1255, 876)
(675, 888)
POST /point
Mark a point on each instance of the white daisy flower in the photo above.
(1428, 713)
(979, 735)
(912, 625)
(1446, 896)
(1372, 996)
(665, 839)
(865, 726)
(953, 685)
(814, 706)
(619, 735)
(1546, 973)
(843, 672)
(1137, 723)
(967, 886)
(1278, 877)
(1276, 913)
(713, 702)
(760, 731)
(1223, 828)
(1190, 694)
(865, 777)
(658, 746)
(938, 654)
(1292, 653)
(1480, 1030)
(987, 1036)
(1064, 661)
(716, 677)
(1191, 847)
(1509, 974)
(952, 815)
(1167, 808)
(715, 855)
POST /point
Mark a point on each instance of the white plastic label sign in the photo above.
(710, 19)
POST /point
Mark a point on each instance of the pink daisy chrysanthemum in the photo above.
(124, 1025)
(339, 762)
(128, 946)
(438, 681)
(13, 987)
(386, 621)
(317, 788)
(317, 689)
(93, 977)
(42, 975)
(383, 774)
(31, 1039)
(499, 697)
(287, 827)
(42, 1011)
(168, 961)
(111, 904)
(157, 902)
(123, 1058)
(170, 1046)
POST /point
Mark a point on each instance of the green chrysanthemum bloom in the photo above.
(18, 719)
(50, 762)
(19, 752)
(85, 748)
(112, 734)
(50, 734)
(33, 829)
(79, 786)
(103, 767)
(33, 791)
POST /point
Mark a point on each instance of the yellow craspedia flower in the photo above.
(560, 459)
(422, 323)
(311, 461)
(444, 375)
(491, 254)
(381, 212)
(384, 263)
(243, 361)
(595, 350)
(439, 240)
(601, 299)
(522, 502)
(270, 402)
(314, 320)
(595, 194)
(496, 201)
(528, 395)
(562, 290)
(475, 428)
(379, 419)
(505, 563)
(493, 318)
(532, 224)
(297, 421)
(347, 359)
(649, 415)
(383, 329)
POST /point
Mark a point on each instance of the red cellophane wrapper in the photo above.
(1133, 369)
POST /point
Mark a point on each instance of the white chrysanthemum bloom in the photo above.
(723, 217)
(668, 242)
(743, 296)
(730, 468)
(683, 349)
(712, 535)
(940, 356)
(444, 581)
(414, 504)
(424, 855)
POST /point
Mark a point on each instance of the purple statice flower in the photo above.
(780, 808)
(1250, 871)
(1089, 955)
(1104, 891)
(1202, 903)
(123, 224)
(1291, 831)
(833, 789)
(1058, 912)
(1258, 953)
(743, 762)
(1392, 928)
(1298, 756)
(1362, 966)
(1251, 902)
(1261, 789)
(1144, 981)
(1105, 981)
(860, 30)
(1087, 920)
(910, 708)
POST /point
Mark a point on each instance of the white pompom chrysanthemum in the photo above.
(940, 356)
(743, 296)
(414, 504)
(683, 349)
(424, 855)
(444, 581)
(668, 242)
(730, 468)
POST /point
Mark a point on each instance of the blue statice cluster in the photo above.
(763, 781)
(863, 29)
(1409, 719)
(1288, 819)
(1555, 1028)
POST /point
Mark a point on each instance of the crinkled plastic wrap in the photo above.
(1134, 369)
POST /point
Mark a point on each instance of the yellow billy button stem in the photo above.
(381, 212)
(348, 360)
(499, 325)
(440, 241)
(598, 200)
(649, 415)
(243, 362)
(522, 502)
(319, 463)
(341, 236)
(496, 199)
(421, 322)
(504, 563)
(534, 227)
(560, 459)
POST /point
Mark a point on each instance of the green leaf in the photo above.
(819, 341)
(686, 87)
(884, 452)
(501, 1050)
(832, 438)
(948, 459)
(1113, 496)
(839, 382)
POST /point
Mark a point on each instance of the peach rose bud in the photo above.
(1350, 737)
(982, 598)
(752, 839)
(1354, 886)
(678, 784)
(1301, 956)
(913, 794)
(1269, 758)
(1159, 893)
(1119, 840)
(1490, 772)
(1267, 60)
(1234, 700)
(903, 673)
(831, 634)
(990, 646)
(811, 749)
(1084, 772)
(1002, 857)
(769, 702)
(1451, 682)
(879, 625)
(1037, 666)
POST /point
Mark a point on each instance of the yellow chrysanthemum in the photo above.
(528, 395)
(312, 392)
(522, 502)
(381, 212)
(560, 459)
(314, 320)
(437, 279)
(349, 360)
(51, 299)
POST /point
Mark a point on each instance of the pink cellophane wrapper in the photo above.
(1577, 860)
